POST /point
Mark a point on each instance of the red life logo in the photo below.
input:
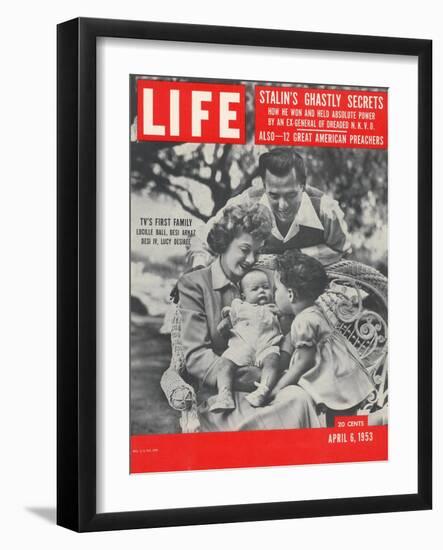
(190, 112)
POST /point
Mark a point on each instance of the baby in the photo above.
(255, 338)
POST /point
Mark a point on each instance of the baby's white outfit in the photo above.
(256, 333)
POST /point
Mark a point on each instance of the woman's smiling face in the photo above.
(240, 256)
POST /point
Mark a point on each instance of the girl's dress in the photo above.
(338, 379)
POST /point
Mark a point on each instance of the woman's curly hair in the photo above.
(305, 275)
(251, 218)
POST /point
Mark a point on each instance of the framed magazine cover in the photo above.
(252, 175)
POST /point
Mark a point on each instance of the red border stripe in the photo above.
(204, 451)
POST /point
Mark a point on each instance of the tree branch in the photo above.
(166, 187)
(181, 171)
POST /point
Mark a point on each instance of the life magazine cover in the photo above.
(259, 273)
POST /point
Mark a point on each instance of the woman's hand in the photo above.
(225, 327)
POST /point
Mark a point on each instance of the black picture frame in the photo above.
(76, 280)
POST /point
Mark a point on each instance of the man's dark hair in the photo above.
(280, 162)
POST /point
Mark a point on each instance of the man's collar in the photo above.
(219, 278)
(306, 216)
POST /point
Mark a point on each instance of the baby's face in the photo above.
(256, 288)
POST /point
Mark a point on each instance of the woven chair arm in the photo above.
(180, 395)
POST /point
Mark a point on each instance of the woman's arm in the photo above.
(200, 358)
(304, 359)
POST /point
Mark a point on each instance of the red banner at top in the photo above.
(320, 117)
(196, 112)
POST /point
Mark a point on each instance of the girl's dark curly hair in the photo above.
(305, 275)
(254, 219)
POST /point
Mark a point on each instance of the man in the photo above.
(303, 217)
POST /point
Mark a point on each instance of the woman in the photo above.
(236, 238)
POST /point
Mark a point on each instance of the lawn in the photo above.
(150, 356)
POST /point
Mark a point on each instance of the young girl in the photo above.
(323, 363)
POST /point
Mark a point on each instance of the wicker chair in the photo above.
(355, 303)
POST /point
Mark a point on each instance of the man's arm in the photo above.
(323, 253)
(337, 242)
